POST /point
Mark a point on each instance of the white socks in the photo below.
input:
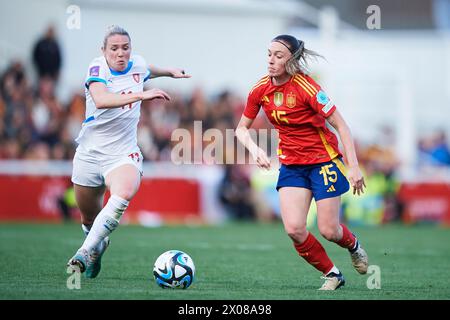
(334, 270)
(86, 230)
(105, 223)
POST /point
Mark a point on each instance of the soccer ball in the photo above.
(174, 269)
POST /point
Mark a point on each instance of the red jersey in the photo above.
(297, 109)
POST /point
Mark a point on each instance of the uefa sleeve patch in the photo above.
(322, 97)
(94, 71)
(327, 107)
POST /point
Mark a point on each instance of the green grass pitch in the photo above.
(233, 262)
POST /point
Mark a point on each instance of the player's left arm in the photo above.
(354, 174)
(156, 72)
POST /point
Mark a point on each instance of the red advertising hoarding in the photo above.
(426, 202)
(35, 198)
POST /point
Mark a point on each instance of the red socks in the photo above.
(312, 251)
(348, 240)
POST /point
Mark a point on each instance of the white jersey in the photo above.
(112, 131)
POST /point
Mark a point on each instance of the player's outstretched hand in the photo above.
(356, 180)
(155, 94)
(179, 73)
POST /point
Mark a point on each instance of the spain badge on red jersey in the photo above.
(290, 100)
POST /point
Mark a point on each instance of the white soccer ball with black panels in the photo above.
(174, 269)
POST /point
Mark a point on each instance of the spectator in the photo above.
(440, 151)
(235, 193)
(434, 150)
(47, 55)
(47, 114)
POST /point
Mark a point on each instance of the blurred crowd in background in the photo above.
(35, 125)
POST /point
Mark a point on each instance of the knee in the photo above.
(297, 234)
(125, 192)
(331, 233)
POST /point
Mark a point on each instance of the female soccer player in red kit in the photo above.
(311, 165)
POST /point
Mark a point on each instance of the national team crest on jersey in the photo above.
(136, 77)
(290, 100)
(94, 71)
(278, 99)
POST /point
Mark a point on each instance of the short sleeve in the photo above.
(322, 104)
(317, 98)
(147, 76)
(96, 73)
(253, 105)
(142, 67)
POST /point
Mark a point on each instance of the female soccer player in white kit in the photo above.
(107, 155)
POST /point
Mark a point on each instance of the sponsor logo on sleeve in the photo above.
(323, 99)
(328, 107)
(94, 71)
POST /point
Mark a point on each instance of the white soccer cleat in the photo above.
(332, 282)
(360, 260)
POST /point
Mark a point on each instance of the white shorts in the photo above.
(91, 171)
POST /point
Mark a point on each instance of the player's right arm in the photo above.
(244, 137)
(104, 99)
(242, 130)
